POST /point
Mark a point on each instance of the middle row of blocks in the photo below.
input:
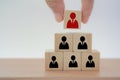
(78, 42)
(72, 60)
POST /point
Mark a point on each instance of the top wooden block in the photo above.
(72, 19)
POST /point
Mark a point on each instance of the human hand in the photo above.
(58, 8)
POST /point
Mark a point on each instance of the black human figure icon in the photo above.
(63, 44)
(73, 62)
(90, 62)
(82, 44)
(53, 63)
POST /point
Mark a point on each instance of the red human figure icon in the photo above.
(72, 23)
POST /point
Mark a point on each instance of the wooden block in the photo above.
(63, 42)
(72, 61)
(72, 19)
(82, 42)
(53, 60)
(91, 60)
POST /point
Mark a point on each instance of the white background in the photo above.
(27, 27)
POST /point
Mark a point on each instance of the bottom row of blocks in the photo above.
(72, 60)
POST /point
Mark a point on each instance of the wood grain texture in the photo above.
(34, 69)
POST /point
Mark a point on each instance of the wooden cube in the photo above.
(91, 60)
(82, 42)
(72, 61)
(53, 60)
(63, 42)
(72, 19)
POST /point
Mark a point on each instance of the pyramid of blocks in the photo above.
(73, 51)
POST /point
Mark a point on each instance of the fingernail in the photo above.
(84, 20)
(58, 17)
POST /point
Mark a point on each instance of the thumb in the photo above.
(57, 6)
(87, 6)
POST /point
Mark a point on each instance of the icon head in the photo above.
(82, 38)
(53, 58)
(90, 57)
(72, 57)
(72, 15)
(63, 38)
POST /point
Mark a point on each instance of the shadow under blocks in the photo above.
(73, 51)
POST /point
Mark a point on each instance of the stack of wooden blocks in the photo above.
(73, 51)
